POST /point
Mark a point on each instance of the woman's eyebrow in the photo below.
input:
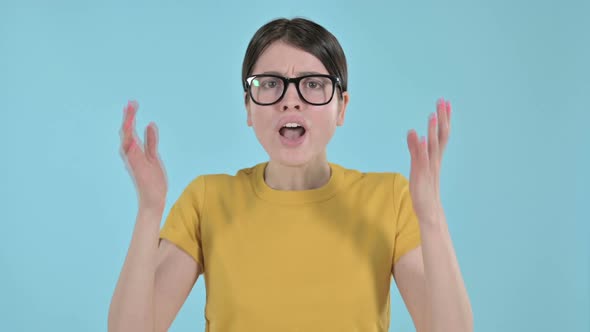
(272, 73)
(303, 73)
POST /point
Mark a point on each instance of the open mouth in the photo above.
(292, 131)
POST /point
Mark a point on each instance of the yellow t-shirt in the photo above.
(311, 260)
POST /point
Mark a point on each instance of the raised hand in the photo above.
(143, 162)
(426, 156)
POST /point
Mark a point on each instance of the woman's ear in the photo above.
(248, 113)
(342, 105)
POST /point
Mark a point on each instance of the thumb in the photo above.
(413, 145)
(151, 139)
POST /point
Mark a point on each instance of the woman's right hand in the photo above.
(143, 162)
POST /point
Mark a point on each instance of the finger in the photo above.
(135, 157)
(151, 139)
(433, 140)
(443, 129)
(128, 118)
(423, 152)
(129, 134)
(413, 145)
(129, 112)
(418, 150)
(449, 116)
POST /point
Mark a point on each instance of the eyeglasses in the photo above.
(314, 89)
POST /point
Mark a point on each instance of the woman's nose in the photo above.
(291, 98)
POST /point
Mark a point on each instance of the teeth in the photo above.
(292, 125)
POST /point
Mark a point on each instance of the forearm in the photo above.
(132, 305)
(449, 306)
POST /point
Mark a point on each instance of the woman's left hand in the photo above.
(426, 157)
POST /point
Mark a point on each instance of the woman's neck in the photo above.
(311, 175)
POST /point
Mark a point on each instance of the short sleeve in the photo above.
(183, 223)
(407, 232)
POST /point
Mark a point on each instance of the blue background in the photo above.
(515, 181)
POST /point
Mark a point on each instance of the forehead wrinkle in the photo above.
(297, 74)
(282, 59)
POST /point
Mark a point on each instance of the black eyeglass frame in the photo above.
(286, 81)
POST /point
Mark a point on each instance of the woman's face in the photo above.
(288, 146)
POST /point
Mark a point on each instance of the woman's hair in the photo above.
(303, 34)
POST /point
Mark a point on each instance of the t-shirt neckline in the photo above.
(325, 192)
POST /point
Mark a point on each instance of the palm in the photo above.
(426, 160)
(143, 162)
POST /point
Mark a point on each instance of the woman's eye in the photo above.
(270, 84)
(313, 85)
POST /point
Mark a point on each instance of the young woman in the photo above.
(296, 243)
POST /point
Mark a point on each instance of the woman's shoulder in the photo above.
(220, 178)
(373, 179)
(377, 175)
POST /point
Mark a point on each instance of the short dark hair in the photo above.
(303, 34)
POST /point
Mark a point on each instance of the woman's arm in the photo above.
(430, 283)
(154, 282)
(429, 279)
(132, 305)
(157, 276)
(446, 293)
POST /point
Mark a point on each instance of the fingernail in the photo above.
(433, 118)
